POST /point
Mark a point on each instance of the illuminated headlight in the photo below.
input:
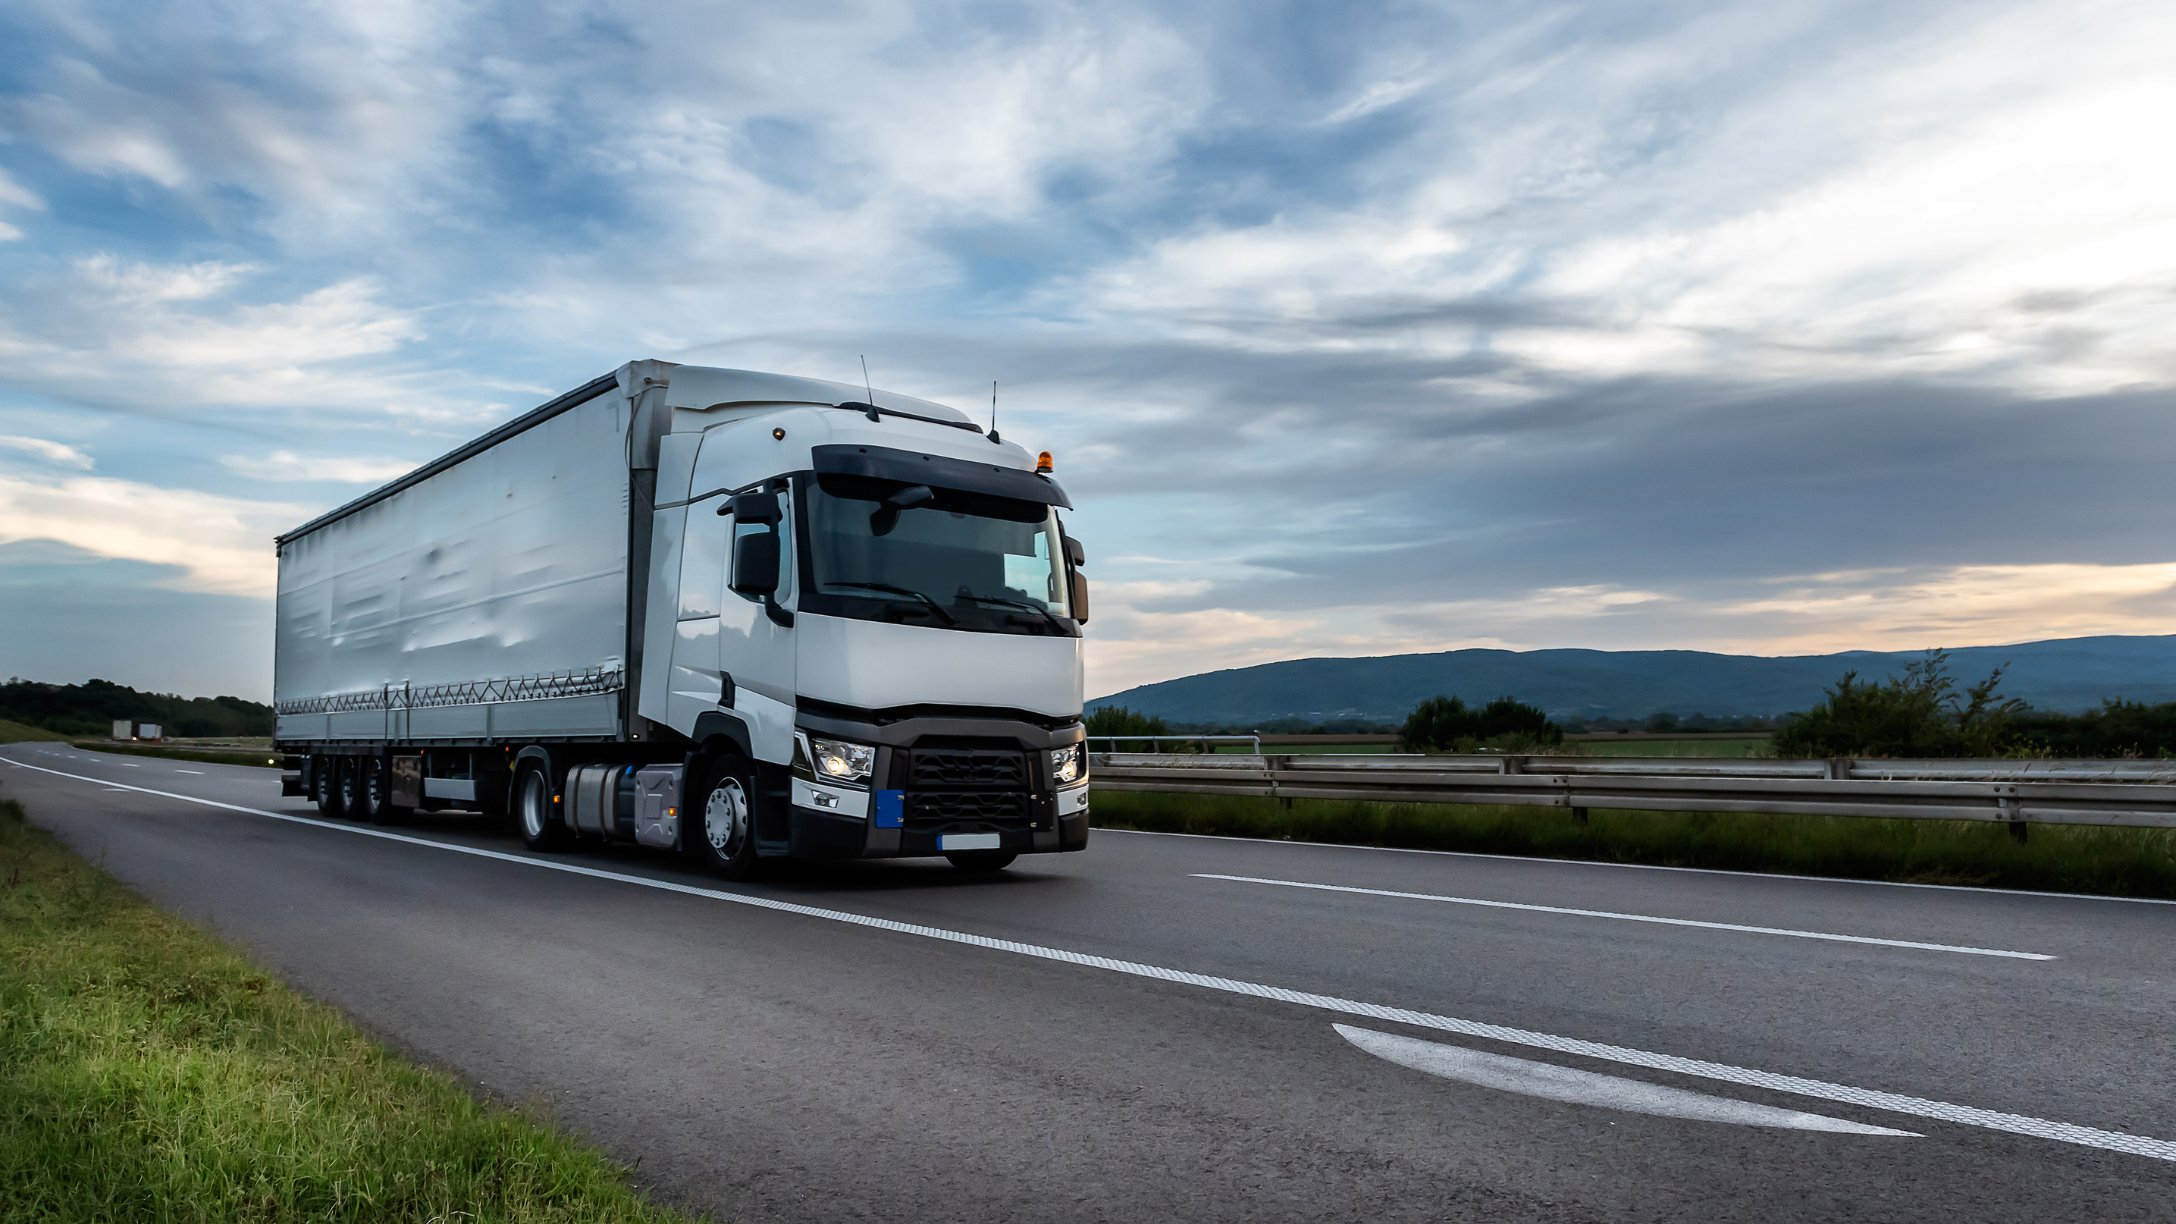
(1069, 765)
(839, 761)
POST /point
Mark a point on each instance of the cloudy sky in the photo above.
(1356, 328)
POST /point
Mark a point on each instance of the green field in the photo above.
(1691, 746)
(215, 756)
(147, 1072)
(2057, 858)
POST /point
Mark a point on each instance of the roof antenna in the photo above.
(993, 410)
(865, 387)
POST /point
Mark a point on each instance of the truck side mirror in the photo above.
(1074, 553)
(756, 508)
(755, 561)
(1079, 590)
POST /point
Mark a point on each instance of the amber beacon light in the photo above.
(1042, 464)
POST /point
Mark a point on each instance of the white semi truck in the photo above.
(746, 616)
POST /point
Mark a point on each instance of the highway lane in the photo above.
(778, 1065)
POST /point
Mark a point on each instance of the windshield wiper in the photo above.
(1015, 603)
(910, 592)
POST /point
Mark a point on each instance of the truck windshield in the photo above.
(882, 550)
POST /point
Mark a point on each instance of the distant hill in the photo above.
(91, 708)
(2067, 674)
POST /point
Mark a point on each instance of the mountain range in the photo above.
(2064, 674)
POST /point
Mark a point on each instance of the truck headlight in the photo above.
(1069, 765)
(840, 761)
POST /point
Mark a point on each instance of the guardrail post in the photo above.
(1276, 763)
(2019, 830)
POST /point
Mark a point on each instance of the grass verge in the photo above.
(214, 756)
(20, 733)
(149, 1073)
(2057, 858)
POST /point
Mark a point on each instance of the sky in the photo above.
(1356, 329)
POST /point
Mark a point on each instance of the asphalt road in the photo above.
(1116, 1034)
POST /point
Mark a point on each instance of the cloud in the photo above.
(51, 452)
(1355, 329)
(216, 544)
(287, 465)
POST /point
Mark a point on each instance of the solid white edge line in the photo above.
(1586, 913)
(1943, 1111)
(1571, 862)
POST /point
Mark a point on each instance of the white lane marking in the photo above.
(128, 765)
(1586, 913)
(1562, 862)
(1551, 1082)
(119, 789)
(197, 772)
(1871, 1098)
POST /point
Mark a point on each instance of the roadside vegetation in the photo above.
(149, 1073)
(1924, 713)
(19, 733)
(2059, 858)
(91, 708)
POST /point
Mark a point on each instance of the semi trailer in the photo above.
(740, 615)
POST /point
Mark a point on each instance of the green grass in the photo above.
(2057, 858)
(149, 1073)
(1717, 746)
(20, 733)
(214, 756)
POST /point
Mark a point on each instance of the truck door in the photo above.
(750, 647)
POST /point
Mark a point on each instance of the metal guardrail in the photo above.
(1156, 742)
(2019, 793)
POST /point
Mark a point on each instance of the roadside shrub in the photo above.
(1448, 724)
(2118, 729)
(1917, 714)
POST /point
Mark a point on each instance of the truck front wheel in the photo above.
(541, 828)
(724, 831)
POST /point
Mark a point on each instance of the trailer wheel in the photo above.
(981, 861)
(356, 794)
(377, 783)
(723, 830)
(534, 811)
(325, 784)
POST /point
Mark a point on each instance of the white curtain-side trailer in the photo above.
(747, 616)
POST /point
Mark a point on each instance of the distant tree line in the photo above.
(1923, 713)
(91, 708)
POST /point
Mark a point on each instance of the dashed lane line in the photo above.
(1586, 913)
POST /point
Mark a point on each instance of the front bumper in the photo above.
(1051, 824)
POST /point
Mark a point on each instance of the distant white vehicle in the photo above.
(746, 615)
(123, 729)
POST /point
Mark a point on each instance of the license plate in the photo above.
(967, 841)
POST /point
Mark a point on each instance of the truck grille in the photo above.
(966, 805)
(1005, 768)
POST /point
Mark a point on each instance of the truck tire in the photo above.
(378, 784)
(325, 784)
(534, 812)
(355, 793)
(981, 860)
(722, 829)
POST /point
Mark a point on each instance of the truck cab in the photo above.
(876, 608)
